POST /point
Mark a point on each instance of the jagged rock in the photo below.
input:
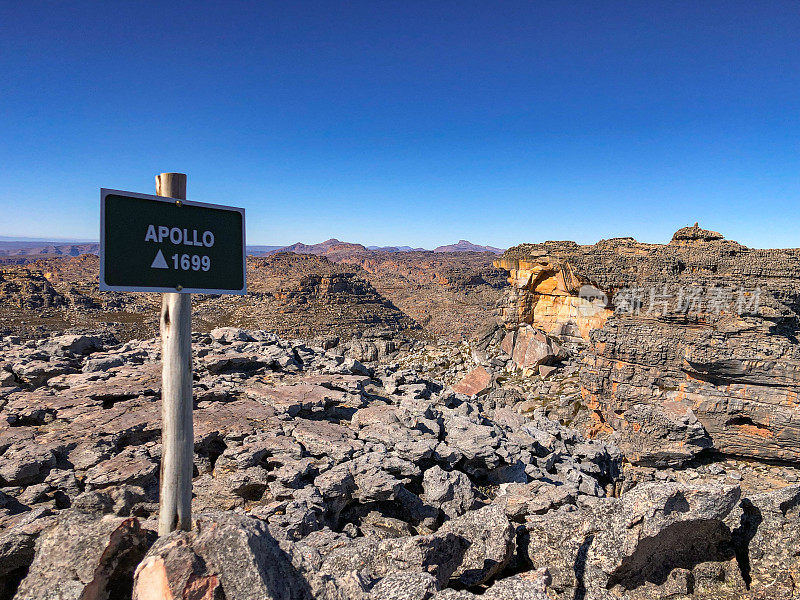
(83, 556)
(131, 466)
(438, 555)
(303, 450)
(766, 541)
(518, 587)
(404, 586)
(229, 335)
(451, 492)
(227, 555)
(538, 497)
(491, 540)
(323, 438)
(72, 344)
(17, 546)
(376, 524)
(36, 373)
(530, 348)
(627, 542)
(26, 464)
(695, 234)
(475, 382)
(239, 362)
(102, 363)
(362, 350)
(475, 441)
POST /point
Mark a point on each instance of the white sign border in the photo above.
(104, 287)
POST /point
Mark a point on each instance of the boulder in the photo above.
(477, 381)
(628, 542)
(102, 363)
(519, 500)
(437, 555)
(529, 348)
(227, 556)
(229, 335)
(492, 542)
(18, 544)
(450, 491)
(72, 344)
(84, 557)
(404, 586)
(766, 541)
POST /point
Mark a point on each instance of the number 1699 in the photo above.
(193, 262)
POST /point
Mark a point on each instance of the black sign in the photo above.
(157, 244)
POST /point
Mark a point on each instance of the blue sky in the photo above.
(409, 122)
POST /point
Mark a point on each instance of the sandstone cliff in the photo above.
(691, 345)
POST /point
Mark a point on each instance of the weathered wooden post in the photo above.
(167, 244)
(177, 433)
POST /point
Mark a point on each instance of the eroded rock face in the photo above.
(700, 350)
(546, 292)
(227, 556)
(84, 557)
(640, 539)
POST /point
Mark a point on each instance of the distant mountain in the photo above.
(331, 245)
(465, 246)
(25, 250)
(40, 241)
(45, 248)
(395, 249)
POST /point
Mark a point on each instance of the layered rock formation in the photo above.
(550, 294)
(696, 348)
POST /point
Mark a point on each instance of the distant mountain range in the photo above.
(27, 248)
(465, 246)
(23, 249)
(336, 246)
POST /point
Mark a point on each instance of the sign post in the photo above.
(165, 244)
(177, 429)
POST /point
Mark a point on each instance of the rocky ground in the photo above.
(318, 475)
(566, 450)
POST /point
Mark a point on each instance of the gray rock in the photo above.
(35, 373)
(227, 555)
(229, 335)
(766, 540)
(519, 500)
(492, 542)
(530, 586)
(102, 363)
(629, 541)
(451, 492)
(438, 555)
(404, 586)
(72, 344)
(18, 542)
(76, 558)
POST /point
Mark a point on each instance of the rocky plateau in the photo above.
(617, 421)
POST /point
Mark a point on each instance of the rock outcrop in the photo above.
(652, 537)
(691, 346)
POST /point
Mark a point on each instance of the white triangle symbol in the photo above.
(159, 262)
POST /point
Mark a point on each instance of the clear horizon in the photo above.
(395, 124)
